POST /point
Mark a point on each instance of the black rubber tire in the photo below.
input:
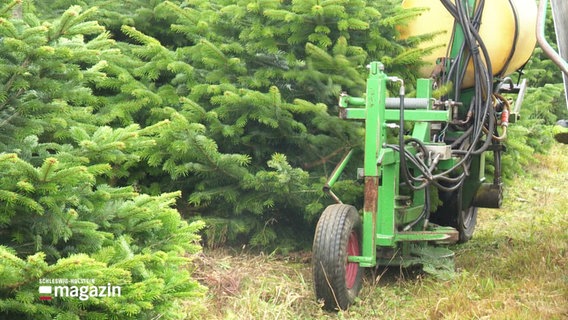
(452, 213)
(466, 222)
(338, 234)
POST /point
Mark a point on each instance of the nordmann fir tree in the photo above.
(543, 105)
(264, 81)
(241, 82)
(249, 89)
(64, 212)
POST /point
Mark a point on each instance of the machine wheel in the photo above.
(337, 281)
(467, 219)
(452, 213)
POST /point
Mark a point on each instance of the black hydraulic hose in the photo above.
(426, 177)
(481, 106)
(482, 99)
(402, 150)
(422, 147)
(471, 35)
(482, 71)
(497, 165)
(461, 138)
(416, 162)
(426, 173)
(482, 77)
(456, 184)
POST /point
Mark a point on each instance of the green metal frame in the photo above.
(384, 211)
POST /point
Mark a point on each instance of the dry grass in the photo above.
(514, 268)
(247, 286)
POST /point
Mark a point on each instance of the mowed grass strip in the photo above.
(515, 267)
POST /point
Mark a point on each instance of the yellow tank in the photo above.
(508, 29)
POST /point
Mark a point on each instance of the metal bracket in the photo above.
(444, 151)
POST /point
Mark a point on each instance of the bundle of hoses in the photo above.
(480, 127)
(481, 106)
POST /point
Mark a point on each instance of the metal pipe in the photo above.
(559, 14)
(409, 103)
(520, 97)
(548, 50)
(335, 175)
(346, 101)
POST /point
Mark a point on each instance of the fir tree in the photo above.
(239, 83)
(264, 81)
(234, 84)
(65, 213)
(543, 105)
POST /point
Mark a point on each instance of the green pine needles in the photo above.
(67, 210)
(127, 129)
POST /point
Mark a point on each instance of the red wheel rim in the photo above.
(351, 268)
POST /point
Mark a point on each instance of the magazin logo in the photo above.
(83, 293)
(45, 292)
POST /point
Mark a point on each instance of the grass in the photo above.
(515, 267)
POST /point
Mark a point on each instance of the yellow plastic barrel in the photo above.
(508, 29)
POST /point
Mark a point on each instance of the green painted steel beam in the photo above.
(447, 164)
(409, 115)
(353, 101)
(369, 249)
(363, 261)
(388, 190)
(422, 129)
(421, 236)
(419, 115)
(387, 156)
(408, 214)
(355, 113)
(339, 169)
(374, 137)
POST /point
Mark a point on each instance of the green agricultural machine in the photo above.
(423, 150)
